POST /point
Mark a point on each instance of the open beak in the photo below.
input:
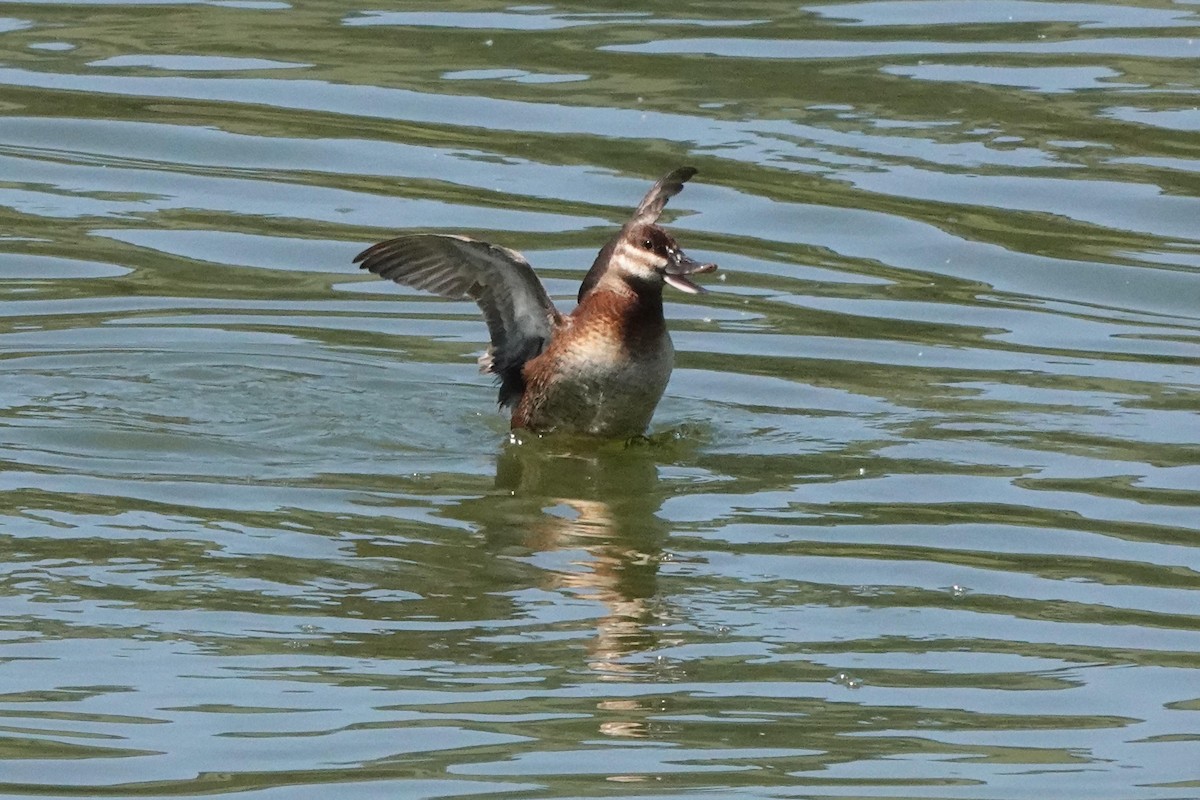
(676, 273)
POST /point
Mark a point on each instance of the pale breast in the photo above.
(594, 384)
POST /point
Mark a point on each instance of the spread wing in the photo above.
(668, 186)
(519, 314)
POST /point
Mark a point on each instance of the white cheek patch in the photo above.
(635, 262)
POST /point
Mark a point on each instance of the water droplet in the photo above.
(847, 680)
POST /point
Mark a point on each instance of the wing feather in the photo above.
(671, 184)
(519, 314)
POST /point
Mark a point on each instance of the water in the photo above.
(918, 516)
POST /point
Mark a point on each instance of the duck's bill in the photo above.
(677, 275)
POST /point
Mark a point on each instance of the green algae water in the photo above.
(918, 517)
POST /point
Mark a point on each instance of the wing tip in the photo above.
(365, 258)
(685, 173)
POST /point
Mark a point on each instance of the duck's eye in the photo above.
(647, 244)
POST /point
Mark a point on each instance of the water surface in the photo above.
(918, 516)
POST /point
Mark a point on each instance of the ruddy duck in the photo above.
(600, 369)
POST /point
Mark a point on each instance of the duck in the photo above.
(599, 370)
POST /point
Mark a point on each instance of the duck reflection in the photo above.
(598, 506)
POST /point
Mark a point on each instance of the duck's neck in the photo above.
(634, 315)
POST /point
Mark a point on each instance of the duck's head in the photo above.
(642, 255)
